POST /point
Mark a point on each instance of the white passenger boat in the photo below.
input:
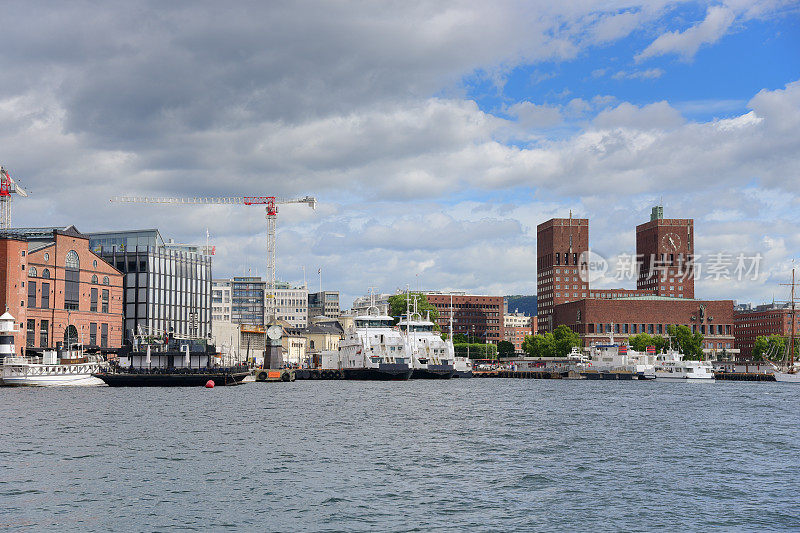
(67, 367)
(431, 356)
(671, 366)
(373, 349)
(72, 368)
(617, 361)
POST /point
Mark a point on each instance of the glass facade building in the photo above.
(165, 290)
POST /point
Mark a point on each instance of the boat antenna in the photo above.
(791, 341)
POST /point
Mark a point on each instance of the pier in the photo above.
(743, 376)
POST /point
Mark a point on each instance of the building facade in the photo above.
(325, 303)
(517, 326)
(473, 315)
(59, 291)
(221, 297)
(595, 320)
(291, 304)
(560, 243)
(165, 290)
(244, 300)
(665, 255)
(764, 320)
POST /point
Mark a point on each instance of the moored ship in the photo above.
(165, 367)
(672, 366)
(432, 357)
(71, 367)
(372, 349)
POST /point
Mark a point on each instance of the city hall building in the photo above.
(663, 268)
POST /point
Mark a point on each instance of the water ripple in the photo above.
(471, 455)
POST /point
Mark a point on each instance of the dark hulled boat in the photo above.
(173, 377)
(431, 371)
(383, 372)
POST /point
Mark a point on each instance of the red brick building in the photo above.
(473, 315)
(595, 319)
(665, 255)
(762, 321)
(52, 281)
(559, 245)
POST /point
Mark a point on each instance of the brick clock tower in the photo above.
(665, 252)
(559, 245)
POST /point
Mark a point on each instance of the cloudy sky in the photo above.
(435, 135)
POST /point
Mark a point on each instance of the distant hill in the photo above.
(523, 304)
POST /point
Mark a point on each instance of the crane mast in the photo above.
(271, 203)
(7, 187)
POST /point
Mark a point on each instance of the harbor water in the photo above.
(471, 455)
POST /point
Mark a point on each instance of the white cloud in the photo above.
(649, 74)
(531, 115)
(339, 103)
(686, 44)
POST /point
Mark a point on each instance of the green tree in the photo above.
(476, 350)
(460, 338)
(565, 339)
(641, 341)
(506, 349)
(688, 343)
(539, 345)
(397, 306)
(773, 347)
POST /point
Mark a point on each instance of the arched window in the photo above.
(105, 280)
(46, 273)
(94, 280)
(32, 272)
(94, 263)
(72, 259)
(70, 335)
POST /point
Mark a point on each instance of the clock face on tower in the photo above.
(671, 242)
(275, 332)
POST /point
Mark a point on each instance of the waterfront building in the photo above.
(474, 315)
(664, 272)
(245, 300)
(59, 290)
(595, 319)
(763, 320)
(166, 290)
(560, 243)
(291, 304)
(665, 255)
(324, 303)
(221, 299)
(517, 326)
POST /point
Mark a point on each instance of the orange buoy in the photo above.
(210, 384)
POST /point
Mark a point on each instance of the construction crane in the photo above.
(7, 187)
(271, 203)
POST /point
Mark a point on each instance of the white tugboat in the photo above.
(373, 349)
(68, 367)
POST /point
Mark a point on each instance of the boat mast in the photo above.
(791, 339)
